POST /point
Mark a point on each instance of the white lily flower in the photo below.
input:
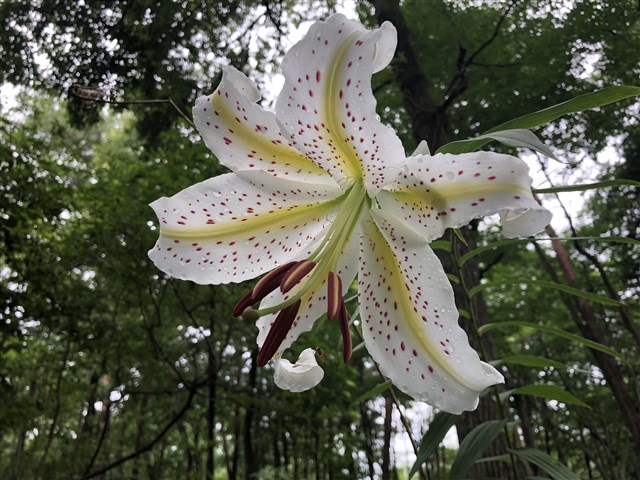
(321, 191)
(300, 376)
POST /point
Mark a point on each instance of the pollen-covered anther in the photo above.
(335, 302)
(270, 281)
(278, 332)
(347, 347)
(296, 273)
(243, 304)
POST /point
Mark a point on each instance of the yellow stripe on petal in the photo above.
(407, 318)
(264, 147)
(410, 323)
(249, 224)
(334, 117)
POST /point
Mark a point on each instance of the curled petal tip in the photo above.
(302, 375)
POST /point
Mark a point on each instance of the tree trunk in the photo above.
(429, 122)
(251, 464)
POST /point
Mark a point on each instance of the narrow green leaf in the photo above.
(589, 186)
(542, 117)
(550, 465)
(375, 391)
(441, 245)
(520, 241)
(453, 278)
(576, 292)
(553, 331)
(550, 392)
(479, 288)
(518, 137)
(464, 313)
(438, 428)
(460, 236)
(474, 445)
(532, 361)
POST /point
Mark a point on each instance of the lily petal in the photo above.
(327, 106)
(300, 376)
(243, 136)
(240, 225)
(440, 191)
(314, 302)
(410, 323)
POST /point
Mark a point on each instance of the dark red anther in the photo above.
(270, 281)
(335, 302)
(347, 346)
(278, 332)
(295, 274)
(243, 304)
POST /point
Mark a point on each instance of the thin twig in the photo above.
(92, 94)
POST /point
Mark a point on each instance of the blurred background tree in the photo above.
(109, 369)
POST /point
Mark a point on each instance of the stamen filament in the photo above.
(329, 251)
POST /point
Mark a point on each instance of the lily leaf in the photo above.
(531, 361)
(375, 391)
(542, 117)
(553, 331)
(521, 241)
(589, 186)
(474, 445)
(556, 286)
(518, 137)
(550, 392)
(438, 428)
(550, 465)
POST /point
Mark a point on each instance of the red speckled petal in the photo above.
(410, 323)
(240, 225)
(433, 193)
(314, 302)
(327, 106)
(244, 136)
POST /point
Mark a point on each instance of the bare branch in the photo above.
(93, 94)
(150, 444)
(460, 81)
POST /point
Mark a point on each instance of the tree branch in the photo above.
(150, 444)
(93, 94)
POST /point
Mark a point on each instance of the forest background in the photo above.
(109, 369)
